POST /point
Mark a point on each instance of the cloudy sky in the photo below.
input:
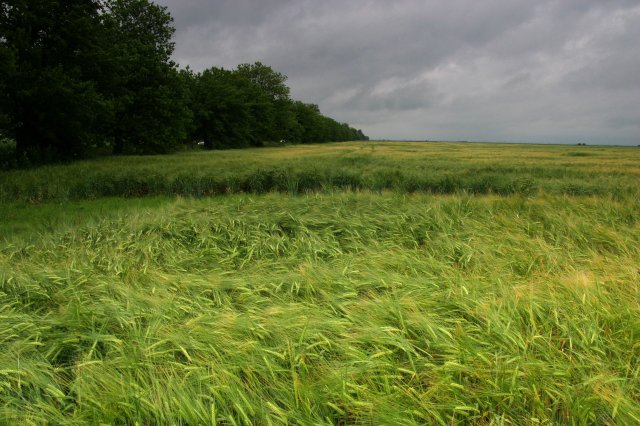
(550, 71)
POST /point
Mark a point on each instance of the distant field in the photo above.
(352, 283)
(439, 168)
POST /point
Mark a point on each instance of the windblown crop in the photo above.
(324, 285)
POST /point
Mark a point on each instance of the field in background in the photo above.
(440, 168)
(368, 283)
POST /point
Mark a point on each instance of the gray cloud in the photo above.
(546, 71)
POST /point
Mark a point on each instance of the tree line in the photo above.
(86, 77)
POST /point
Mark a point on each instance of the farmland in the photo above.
(351, 283)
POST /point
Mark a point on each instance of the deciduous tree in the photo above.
(151, 113)
(50, 100)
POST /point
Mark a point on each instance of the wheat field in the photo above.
(356, 283)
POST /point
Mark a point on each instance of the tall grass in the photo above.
(325, 309)
(400, 167)
(402, 284)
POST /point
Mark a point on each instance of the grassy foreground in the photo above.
(365, 306)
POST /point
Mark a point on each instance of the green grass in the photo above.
(350, 304)
(439, 168)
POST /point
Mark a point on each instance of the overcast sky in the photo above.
(551, 71)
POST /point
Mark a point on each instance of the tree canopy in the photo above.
(80, 77)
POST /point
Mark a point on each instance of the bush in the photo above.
(7, 154)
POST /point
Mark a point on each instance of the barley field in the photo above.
(353, 283)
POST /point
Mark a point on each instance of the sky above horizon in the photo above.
(549, 71)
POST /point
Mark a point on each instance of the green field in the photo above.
(352, 283)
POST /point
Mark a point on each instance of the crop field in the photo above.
(352, 283)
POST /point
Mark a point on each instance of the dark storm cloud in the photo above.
(544, 71)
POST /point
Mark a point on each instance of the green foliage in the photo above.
(314, 127)
(269, 81)
(82, 77)
(352, 283)
(50, 100)
(7, 154)
(343, 308)
(250, 106)
(151, 112)
(227, 109)
(437, 168)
